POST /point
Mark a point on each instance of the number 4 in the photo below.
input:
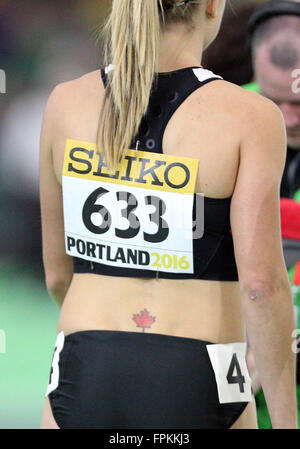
(239, 378)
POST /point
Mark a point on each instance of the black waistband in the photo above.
(143, 337)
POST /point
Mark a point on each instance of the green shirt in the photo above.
(251, 86)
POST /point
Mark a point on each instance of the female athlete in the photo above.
(159, 186)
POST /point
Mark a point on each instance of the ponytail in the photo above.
(131, 46)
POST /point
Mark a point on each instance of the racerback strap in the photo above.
(168, 92)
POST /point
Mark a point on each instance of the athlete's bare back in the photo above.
(214, 125)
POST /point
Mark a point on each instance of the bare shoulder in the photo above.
(251, 108)
(251, 114)
(260, 124)
(69, 95)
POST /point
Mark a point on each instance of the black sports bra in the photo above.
(213, 253)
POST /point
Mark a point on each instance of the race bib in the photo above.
(231, 372)
(140, 216)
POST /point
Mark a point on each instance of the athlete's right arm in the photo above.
(58, 265)
(265, 290)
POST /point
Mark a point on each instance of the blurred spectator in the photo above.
(276, 56)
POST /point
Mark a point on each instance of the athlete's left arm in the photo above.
(58, 265)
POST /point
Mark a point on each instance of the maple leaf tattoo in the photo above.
(143, 319)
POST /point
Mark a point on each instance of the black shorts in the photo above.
(131, 380)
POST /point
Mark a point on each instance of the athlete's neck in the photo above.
(179, 49)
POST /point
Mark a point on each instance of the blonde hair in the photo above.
(131, 44)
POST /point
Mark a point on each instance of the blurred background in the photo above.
(42, 43)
